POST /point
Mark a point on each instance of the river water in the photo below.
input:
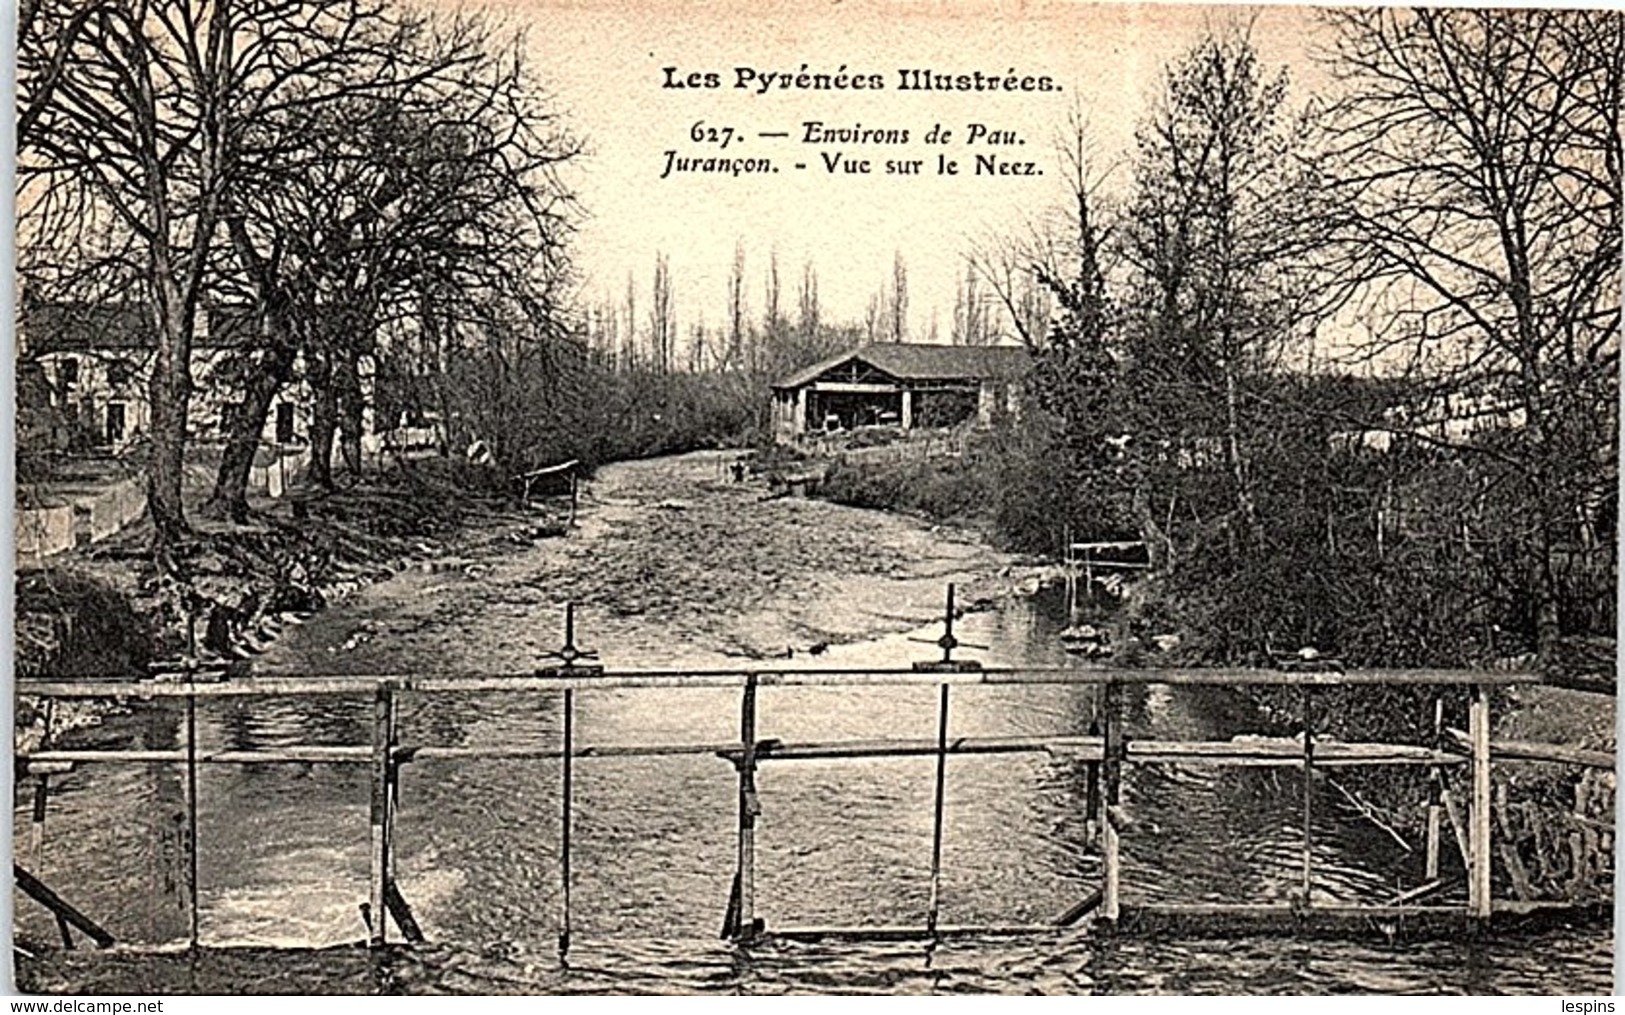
(284, 857)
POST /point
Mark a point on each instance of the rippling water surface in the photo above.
(840, 843)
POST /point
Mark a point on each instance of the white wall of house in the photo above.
(107, 393)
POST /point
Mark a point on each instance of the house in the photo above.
(87, 368)
(902, 384)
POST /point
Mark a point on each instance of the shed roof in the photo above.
(913, 361)
(81, 326)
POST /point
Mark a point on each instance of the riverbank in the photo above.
(672, 563)
(286, 855)
(1555, 823)
(106, 610)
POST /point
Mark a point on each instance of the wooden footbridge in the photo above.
(1104, 749)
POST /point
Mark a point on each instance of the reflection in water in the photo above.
(840, 843)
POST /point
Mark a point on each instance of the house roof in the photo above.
(909, 361)
(75, 326)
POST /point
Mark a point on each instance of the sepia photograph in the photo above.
(557, 497)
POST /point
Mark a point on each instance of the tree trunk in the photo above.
(169, 390)
(323, 420)
(247, 423)
(348, 406)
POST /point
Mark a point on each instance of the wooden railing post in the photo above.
(1091, 784)
(1111, 773)
(936, 821)
(1435, 795)
(42, 791)
(382, 771)
(745, 879)
(566, 758)
(1308, 707)
(192, 921)
(1479, 849)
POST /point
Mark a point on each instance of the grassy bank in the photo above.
(107, 610)
(991, 487)
(1553, 823)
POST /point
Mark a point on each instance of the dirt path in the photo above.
(671, 564)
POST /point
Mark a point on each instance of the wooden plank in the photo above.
(402, 914)
(36, 825)
(1434, 828)
(1088, 904)
(1435, 788)
(1306, 706)
(481, 683)
(1479, 827)
(378, 933)
(749, 806)
(1527, 750)
(937, 809)
(1328, 753)
(36, 889)
(277, 755)
(551, 470)
(911, 933)
(1111, 790)
(567, 793)
(1421, 891)
(1458, 828)
(1246, 910)
(1251, 753)
(1386, 922)
(192, 916)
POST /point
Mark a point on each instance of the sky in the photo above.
(604, 61)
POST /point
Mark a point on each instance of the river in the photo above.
(673, 565)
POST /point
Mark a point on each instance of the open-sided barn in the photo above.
(902, 384)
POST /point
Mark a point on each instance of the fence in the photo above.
(1105, 749)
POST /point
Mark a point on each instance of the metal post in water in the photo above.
(392, 773)
(1091, 807)
(565, 758)
(1435, 797)
(1111, 770)
(42, 791)
(1071, 581)
(749, 807)
(936, 824)
(191, 818)
(1307, 698)
(36, 828)
(378, 932)
(1479, 732)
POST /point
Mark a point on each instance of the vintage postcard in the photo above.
(591, 496)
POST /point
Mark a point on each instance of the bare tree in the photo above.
(662, 317)
(1008, 266)
(774, 325)
(421, 188)
(874, 315)
(629, 341)
(1476, 157)
(134, 110)
(807, 303)
(970, 325)
(1210, 256)
(897, 300)
(736, 309)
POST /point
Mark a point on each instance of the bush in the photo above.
(74, 625)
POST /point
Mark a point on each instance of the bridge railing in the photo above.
(1105, 749)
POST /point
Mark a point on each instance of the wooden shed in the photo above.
(905, 385)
